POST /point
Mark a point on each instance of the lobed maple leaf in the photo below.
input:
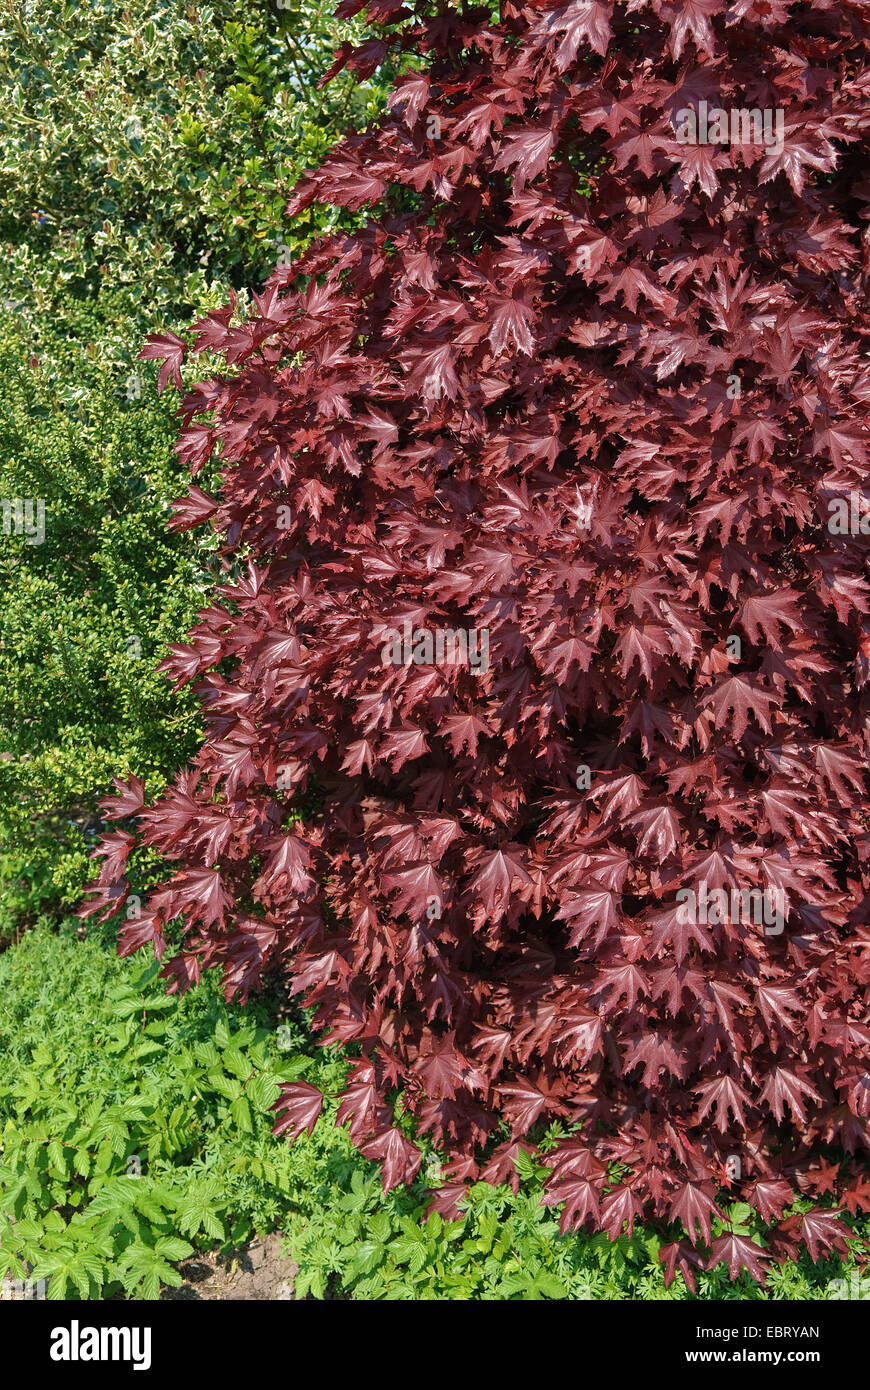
(298, 1107)
(739, 1252)
(169, 349)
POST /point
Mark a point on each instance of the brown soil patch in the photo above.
(256, 1271)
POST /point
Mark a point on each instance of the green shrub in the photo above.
(142, 141)
(87, 612)
(147, 149)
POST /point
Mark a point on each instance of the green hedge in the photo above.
(88, 611)
(147, 149)
(151, 144)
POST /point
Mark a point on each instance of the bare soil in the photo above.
(256, 1271)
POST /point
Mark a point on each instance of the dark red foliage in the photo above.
(609, 431)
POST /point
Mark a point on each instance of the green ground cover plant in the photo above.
(135, 1128)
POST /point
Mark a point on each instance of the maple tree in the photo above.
(590, 388)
